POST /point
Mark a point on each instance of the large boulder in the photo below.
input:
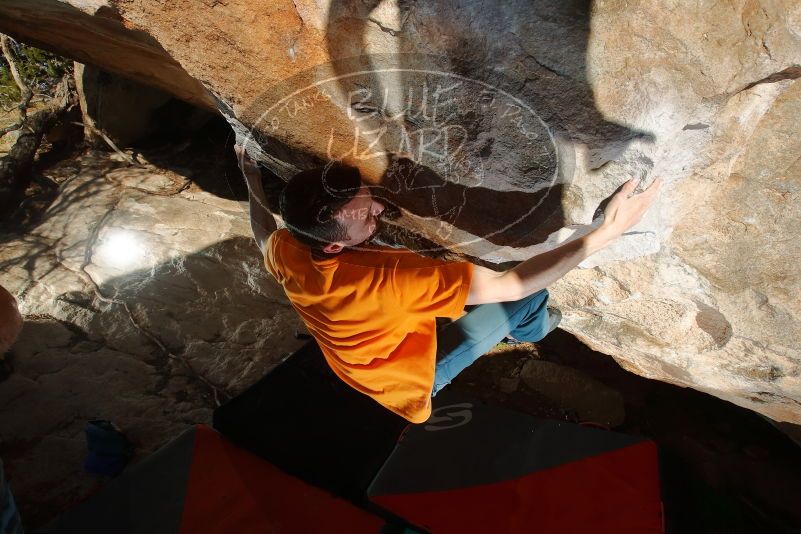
(519, 118)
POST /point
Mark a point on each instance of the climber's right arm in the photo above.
(624, 210)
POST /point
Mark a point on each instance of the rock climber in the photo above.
(372, 308)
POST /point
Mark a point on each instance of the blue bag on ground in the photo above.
(109, 449)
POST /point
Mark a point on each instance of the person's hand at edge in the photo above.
(626, 208)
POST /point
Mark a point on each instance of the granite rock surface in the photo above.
(146, 303)
(525, 116)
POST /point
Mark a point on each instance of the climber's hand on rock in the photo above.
(625, 208)
(247, 165)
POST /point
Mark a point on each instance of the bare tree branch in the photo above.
(97, 131)
(10, 128)
(25, 92)
(16, 165)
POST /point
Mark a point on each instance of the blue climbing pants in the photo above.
(465, 340)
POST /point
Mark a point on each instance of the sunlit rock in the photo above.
(702, 293)
(144, 305)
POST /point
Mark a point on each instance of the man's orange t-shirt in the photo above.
(373, 314)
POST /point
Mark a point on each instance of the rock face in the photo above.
(130, 112)
(523, 116)
(146, 303)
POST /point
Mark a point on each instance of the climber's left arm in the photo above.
(261, 221)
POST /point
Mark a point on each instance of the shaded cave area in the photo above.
(157, 344)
